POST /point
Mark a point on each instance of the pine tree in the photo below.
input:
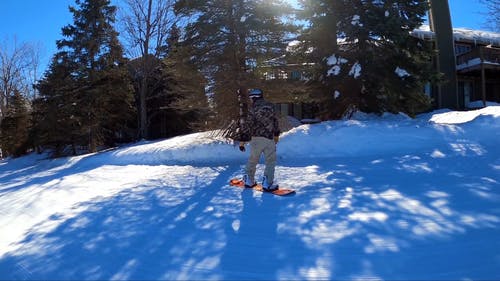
(99, 105)
(15, 126)
(375, 64)
(318, 40)
(55, 124)
(319, 37)
(229, 38)
(185, 83)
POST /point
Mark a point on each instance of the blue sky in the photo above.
(40, 21)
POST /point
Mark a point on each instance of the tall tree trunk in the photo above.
(143, 129)
(440, 20)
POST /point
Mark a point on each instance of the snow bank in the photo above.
(188, 149)
(460, 117)
(364, 135)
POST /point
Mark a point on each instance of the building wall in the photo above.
(476, 62)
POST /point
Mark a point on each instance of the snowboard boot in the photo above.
(268, 186)
(249, 183)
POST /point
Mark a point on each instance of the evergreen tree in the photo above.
(15, 126)
(318, 40)
(88, 80)
(229, 38)
(54, 123)
(319, 37)
(375, 64)
(185, 83)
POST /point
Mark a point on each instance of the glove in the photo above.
(242, 146)
(276, 139)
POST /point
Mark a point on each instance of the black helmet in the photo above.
(255, 93)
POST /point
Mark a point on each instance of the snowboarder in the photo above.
(263, 127)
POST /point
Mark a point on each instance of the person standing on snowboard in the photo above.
(262, 125)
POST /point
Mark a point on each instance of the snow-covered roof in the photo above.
(463, 35)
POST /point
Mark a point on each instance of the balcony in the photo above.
(479, 58)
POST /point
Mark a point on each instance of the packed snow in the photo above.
(377, 197)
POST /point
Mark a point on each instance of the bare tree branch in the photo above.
(146, 24)
(493, 14)
(18, 70)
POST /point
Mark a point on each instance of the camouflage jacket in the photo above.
(262, 120)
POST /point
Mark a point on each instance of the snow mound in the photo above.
(458, 117)
(188, 149)
(365, 134)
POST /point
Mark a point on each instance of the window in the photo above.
(296, 75)
(462, 49)
(428, 89)
(282, 75)
(269, 76)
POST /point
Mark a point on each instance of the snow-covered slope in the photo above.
(377, 198)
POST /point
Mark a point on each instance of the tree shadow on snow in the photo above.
(394, 217)
(141, 233)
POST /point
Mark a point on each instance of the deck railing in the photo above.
(483, 53)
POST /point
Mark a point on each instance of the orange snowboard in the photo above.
(258, 187)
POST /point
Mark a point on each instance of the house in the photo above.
(477, 66)
(284, 82)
